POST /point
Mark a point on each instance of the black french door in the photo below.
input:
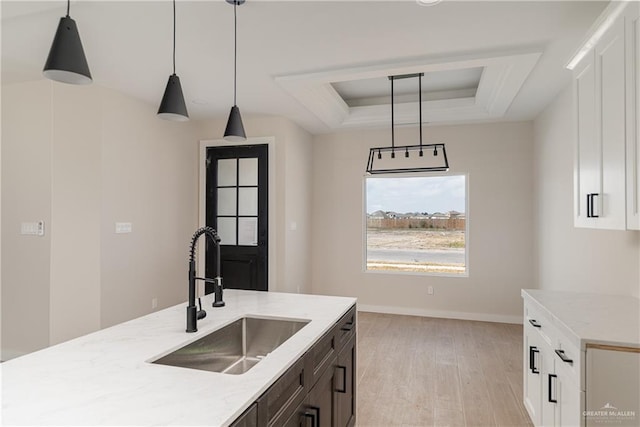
(237, 207)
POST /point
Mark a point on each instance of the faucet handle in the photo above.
(201, 313)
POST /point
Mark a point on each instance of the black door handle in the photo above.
(590, 204)
(313, 412)
(532, 359)
(344, 379)
(564, 357)
(535, 323)
(347, 327)
(551, 389)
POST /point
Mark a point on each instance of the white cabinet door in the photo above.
(533, 375)
(599, 88)
(549, 389)
(610, 204)
(587, 169)
(570, 400)
(632, 27)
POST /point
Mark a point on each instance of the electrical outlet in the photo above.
(154, 303)
(430, 290)
(123, 227)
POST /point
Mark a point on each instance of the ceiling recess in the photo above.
(462, 88)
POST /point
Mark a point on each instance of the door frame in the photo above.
(270, 141)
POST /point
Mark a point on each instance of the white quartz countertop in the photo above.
(105, 378)
(591, 318)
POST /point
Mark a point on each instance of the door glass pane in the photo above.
(248, 201)
(226, 172)
(226, 201)
(249, 171)
(227, 231)
(248, 231)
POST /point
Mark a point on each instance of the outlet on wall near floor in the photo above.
(430, 290)
(154, 302)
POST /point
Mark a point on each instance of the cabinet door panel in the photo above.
(587, 166)
(549, 388)
(532, 376)
(610, 103)
(321, 401)
(345, 385)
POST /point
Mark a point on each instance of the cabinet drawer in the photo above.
(248, 419)
(569, 359)
(345, 328)
(283, 397)
(536, 320)
(320, 356)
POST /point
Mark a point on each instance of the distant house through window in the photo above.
(417, 224)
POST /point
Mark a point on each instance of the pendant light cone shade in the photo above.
(235, 130)
(172, 106)
(66, 62)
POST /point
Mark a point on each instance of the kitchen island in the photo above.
(106, 378)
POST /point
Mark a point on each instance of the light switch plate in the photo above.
(32, 228)
(123, 227)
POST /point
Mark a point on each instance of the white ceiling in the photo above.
(128, 46)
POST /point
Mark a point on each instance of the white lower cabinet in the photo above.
(551, 395)
(581, 359)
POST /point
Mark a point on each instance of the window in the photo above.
(417, 224)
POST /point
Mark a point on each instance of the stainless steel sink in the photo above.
(235, 348)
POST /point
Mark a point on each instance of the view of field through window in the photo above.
(416, 224)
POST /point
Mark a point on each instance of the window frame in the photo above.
(364, 268)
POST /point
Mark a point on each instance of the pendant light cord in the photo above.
(235, 49)
(68, 7)
(174, 37)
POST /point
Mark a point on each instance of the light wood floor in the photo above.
(420, 371)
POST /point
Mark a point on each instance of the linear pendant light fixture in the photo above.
(234, 131)
(405, 163)
(66, 62)
(172, 106)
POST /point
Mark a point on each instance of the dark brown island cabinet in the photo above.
(319, 390)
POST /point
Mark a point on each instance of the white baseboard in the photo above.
(482, 317)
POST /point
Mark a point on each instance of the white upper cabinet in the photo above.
(606, 98)
(632, 28)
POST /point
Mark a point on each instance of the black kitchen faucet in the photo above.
(193, 313)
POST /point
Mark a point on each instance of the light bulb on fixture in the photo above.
(428, 2)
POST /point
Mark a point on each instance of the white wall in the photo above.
(26, 197)
(81, 159)
(569, 258)
(292, 193)
(497, 158)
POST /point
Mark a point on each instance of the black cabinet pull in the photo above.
(535, 323)
(347, 327)
(313, 412)
(532, 359)
(564, 357)
(344, 379)
(590, 204)
(551, 389)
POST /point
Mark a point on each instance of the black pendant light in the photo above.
(66, 61)
(235, 130)
(416, 163)
(172, 106)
